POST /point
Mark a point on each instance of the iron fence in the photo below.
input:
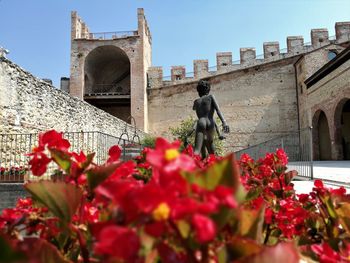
(14, 149)
(109, 35)
(297, 145)
(106, 89)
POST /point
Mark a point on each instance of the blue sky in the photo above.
(37, 32)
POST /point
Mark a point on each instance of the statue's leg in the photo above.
(204, 148)
(210, 141)
(199, 139)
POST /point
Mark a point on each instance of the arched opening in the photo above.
(321, 137)
(331, 54)
(107, 81)
(342, 128)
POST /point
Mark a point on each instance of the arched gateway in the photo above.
(321, 137)
(107, 80)
(342, 128)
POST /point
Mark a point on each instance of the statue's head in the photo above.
(203, 87)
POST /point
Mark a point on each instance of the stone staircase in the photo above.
(131, 151)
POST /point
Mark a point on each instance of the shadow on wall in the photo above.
(259, 105)
(321, 137)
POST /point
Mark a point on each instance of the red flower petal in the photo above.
(114, 153)
(205, 228)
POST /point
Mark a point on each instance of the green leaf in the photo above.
(223, 216)
(61, 158)
(98, 174)
(8, 254)
(251, 223)
(288, 177)
(327, 200)
(343, 211)
(184, 228)
(239, 247)
(89, 159)
(222, 254)
(253, 193)
(147, 242)
(224, 172)
(62, 199)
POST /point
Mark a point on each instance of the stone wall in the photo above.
(9, 194)
(307, 65)
(329, 95)
(259, 103)
(28, 104)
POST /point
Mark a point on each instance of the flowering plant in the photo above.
(171, 206)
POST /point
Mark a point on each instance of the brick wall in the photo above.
(259, 103)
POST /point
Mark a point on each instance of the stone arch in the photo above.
(342, 129)
(321, 136)
(107, 80)
(105, 67)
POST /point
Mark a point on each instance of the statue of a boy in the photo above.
(205, 127)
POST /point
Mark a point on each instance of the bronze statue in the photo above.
(205, 126)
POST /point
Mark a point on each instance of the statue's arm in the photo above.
(193, 129)
(225, 127)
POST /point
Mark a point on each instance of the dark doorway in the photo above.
(345, 130)
(321, 137)
(107, 81)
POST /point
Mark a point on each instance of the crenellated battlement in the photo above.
(79, 28)
(272, 52)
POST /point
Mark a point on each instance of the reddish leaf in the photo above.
(282, 252)
(41, 251)
(62, 199)
(98, 174)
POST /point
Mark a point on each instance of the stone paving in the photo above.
(334, 174)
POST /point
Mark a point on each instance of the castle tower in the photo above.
(108, 70)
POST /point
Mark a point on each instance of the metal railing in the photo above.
(298, 147)
(106, 89)
(109, 35)
(14, 149)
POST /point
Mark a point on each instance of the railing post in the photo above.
(124, 150)
(311, 153)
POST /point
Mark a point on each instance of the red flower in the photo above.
(89, 213)
(168, 255)
(11, 215)
(155, 229)
(52, 139)
(183, 208)
(118, 242)
(303, 198)
(38, 164)
(24, 202)
(318, 184)
(114, 153)
(265, 170)
(268, 215)
(168, 159)
(341, 191)
(325, 253)
(205, 229)
(245, 159)
(80, 158)
(282, 156)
